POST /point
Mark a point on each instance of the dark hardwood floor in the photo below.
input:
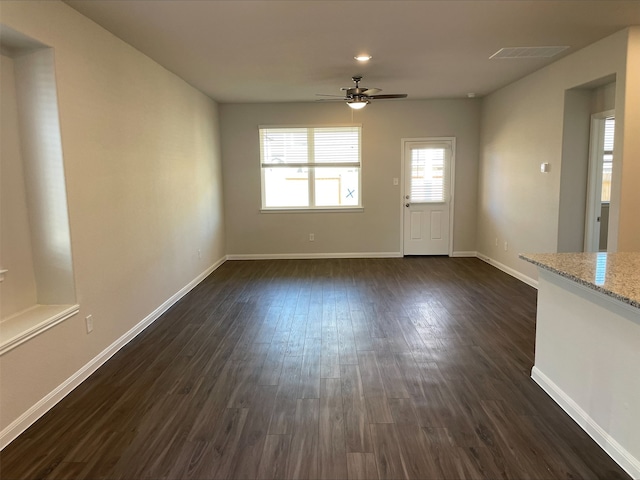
(406, 368)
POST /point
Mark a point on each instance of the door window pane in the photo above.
(427, 175)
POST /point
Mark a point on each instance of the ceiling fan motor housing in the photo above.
(356, 92)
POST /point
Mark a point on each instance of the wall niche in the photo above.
(37, 289)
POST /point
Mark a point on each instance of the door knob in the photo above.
(407, 197)
(407, 204)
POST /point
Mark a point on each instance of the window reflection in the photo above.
(601, 268)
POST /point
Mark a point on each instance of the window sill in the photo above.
(25, 325)
(313, 210)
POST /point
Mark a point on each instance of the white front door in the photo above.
(427, 196)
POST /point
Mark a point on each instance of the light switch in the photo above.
(545, 167)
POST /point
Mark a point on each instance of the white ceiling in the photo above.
(282, 51)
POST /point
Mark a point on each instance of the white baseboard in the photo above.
(617, 452)
(514, 273)
(464, 254)
(25, 420)
(311, 256)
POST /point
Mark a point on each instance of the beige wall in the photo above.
(522, 126)
(144, 185)
(629, 147)
(18, 291)
(377, 229)
(574, 163)
(603, 98)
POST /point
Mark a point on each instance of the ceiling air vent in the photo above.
(527, 52)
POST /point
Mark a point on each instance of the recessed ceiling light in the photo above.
(363, 58)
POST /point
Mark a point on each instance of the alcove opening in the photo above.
(37, 288)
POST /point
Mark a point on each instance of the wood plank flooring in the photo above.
(405, 368)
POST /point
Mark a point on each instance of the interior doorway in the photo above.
(599, 181)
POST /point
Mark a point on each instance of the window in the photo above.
(310, 167)
(607, 158)
(427, 175)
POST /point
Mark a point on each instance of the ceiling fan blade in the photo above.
(394, 95)
(357, 95)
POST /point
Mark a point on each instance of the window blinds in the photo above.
(329, 146)
(428, 175)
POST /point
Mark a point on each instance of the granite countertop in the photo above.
(614, 274)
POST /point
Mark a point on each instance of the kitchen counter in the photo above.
(614, 274)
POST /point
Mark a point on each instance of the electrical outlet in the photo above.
(199, 254)
(89, 322)
(506, 246)
(312, 237)
(496, 241)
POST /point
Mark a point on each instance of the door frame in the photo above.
(404, 142)
(594, 181)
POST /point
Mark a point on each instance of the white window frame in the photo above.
(594, 185)
(310, 165)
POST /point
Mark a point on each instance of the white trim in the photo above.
(24, 421)
(308, 125)
(617, 452)
(313, 210)
(311, 164)
(310, 256)
(452, 189)
(464, 254)
(55, 314)
(514, 273)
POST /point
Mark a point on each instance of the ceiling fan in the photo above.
(358, 97)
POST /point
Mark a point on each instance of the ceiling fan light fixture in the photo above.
(357, 103)
(363, 58)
